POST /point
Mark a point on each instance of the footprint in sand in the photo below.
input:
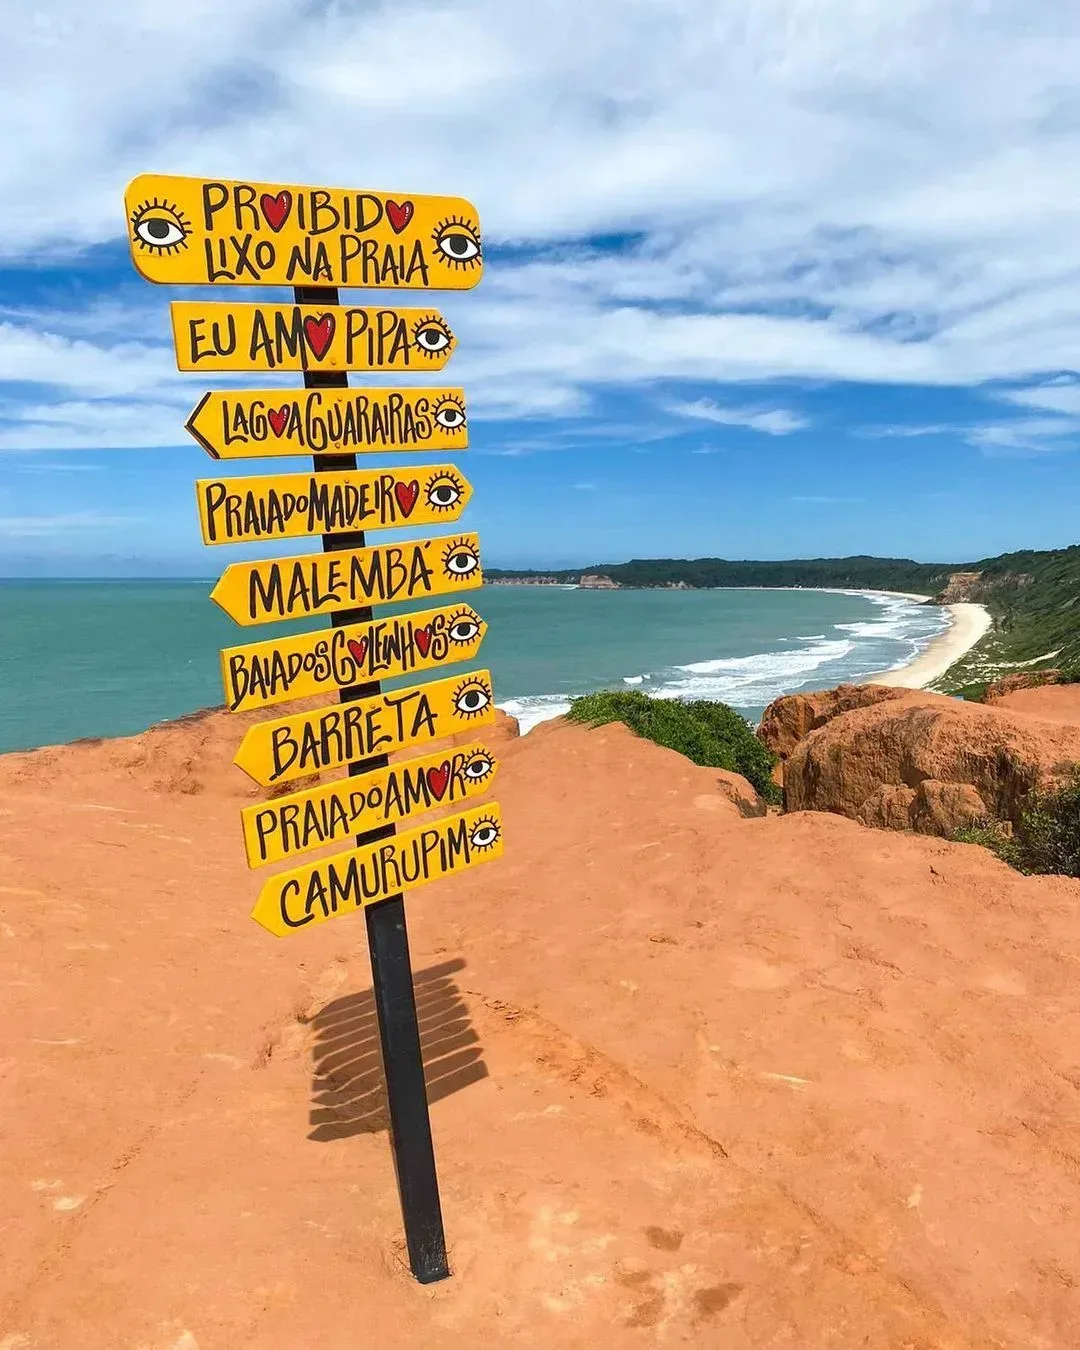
(1009, 982)
(748, 973)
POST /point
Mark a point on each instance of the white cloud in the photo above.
(828, 190)
(1032, 434)
(1024, 435)
(773, 421)
(91, 425)
(1053, 396)
(28, 356)
(905, 431)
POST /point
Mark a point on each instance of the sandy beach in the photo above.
(969, 624)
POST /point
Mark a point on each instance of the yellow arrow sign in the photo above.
(250, 423)
(210, 336)
(317, 583)
(303, 821)
(345, 883)
(195, 231)
(263, 673)
(309, 742)
(284, 506)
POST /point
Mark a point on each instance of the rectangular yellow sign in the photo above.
(251, 423)
(197, 232)
(318, 583)
(303, 821)
(345, 883)
(226, 336)
(309, 742)
(286, 506)
(264, 673)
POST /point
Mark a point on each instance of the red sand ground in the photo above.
(698, 1079)
(1056, 702)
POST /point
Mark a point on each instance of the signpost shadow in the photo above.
(348, 1092)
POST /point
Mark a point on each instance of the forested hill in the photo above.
(886, 574)
(1034, 596)
(1035, 600)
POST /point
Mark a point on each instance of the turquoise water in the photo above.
(109, 658)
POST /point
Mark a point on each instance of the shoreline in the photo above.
(969, 625)
(798, 590)
(820, 590)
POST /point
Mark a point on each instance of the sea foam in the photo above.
(848, 653)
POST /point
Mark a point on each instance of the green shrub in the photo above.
(1046, 840)
(990, 834)
(710, 734)
(974, 693)
(1049, 830)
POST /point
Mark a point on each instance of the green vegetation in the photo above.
(888, 574)
(973, 693)
(989, 834)
(1035, 601)
(987, 661)
(709, 734)
(1047, 839)
(982, 662)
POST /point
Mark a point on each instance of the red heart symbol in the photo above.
(438, 780)
(423, 639)
(398, 214)
(319, 333)
(278, 419)
(276, 209)
(358, 650)
(406, 494)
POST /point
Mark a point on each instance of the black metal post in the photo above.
(388, 946)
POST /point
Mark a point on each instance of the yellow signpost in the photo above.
(196, 231)
(250, 423)
(346, 882)
(226, 336)
(285, 506)
(283, 827)
(347, 579)
(303, 743)
(261, 674)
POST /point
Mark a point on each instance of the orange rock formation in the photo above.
(903, 759)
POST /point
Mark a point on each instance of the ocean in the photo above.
(110, 658)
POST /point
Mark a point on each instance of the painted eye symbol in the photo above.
(160, 227)
(484, 834)
(479, 767)
(450, 414)
(460, 559)
(444, 492)
(432, 336)
(457, 242)
(472, 698)
(463, 628)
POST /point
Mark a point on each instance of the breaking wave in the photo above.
(890, 639)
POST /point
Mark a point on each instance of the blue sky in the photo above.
(770, 278)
